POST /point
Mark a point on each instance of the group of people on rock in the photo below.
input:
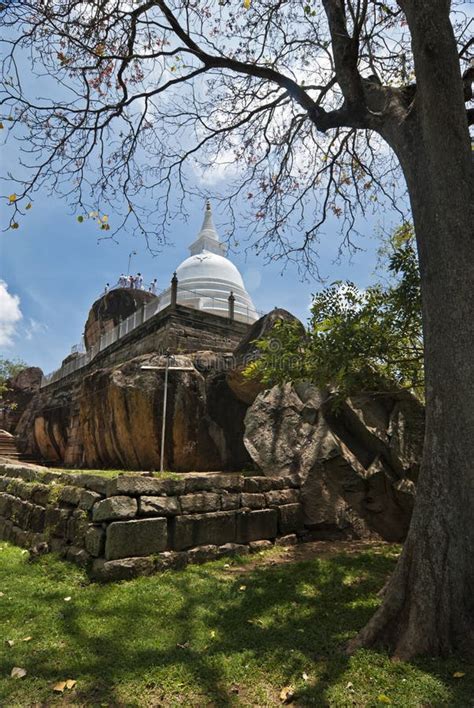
(135, 282)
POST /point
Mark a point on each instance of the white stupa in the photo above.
(207, 277)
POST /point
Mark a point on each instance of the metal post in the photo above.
(165, 403)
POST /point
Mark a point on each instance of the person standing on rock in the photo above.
(153, 286)
(139, 281)
(106, 289)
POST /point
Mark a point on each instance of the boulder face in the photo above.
(113, 418)
(20, 390)
(357, 462)
(247, 351)
(110, 309)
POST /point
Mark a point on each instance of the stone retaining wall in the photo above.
(134, 524)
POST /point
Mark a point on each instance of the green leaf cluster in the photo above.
(357, 340)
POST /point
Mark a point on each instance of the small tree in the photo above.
(357, 340)
(9, 368)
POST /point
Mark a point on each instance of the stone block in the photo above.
(159, 506)
(171, 560)
(203, 529)
(92, 482)
(262, 484)
(150, 486)
(200, 503)
(257, 546)
(70, 495)
(77, 527)
(94, 541)
(210, 482)
(114, 508)
(143, 537)
(202, 554)
(255, 525)
(252, 501)
(122, 569)
(88, 499)
(282, 496)
(233, 549)
(290, 518)
(56, 521)
(37, 518)
(291, 481)
(78, 556)
(289, 540)
(6, 501)
(229, 500)
(40, 494)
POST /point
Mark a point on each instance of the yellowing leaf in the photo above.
(247, 4)
(105, 218)
(18, 673)
(213, 633)
(14, 225)
(70, 683)
(287, 694)
(27, 639)
(383, 698)
(59, 687)
(12, 198)
(29, 205)
(1, 125)
(458, 674)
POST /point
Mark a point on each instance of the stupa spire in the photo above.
(208, 239)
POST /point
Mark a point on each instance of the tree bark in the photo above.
(428, 605)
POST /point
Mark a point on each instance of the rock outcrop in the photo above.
(357, 462)
(113, 418)
(20, 390)
(247, 351)
(110, 309)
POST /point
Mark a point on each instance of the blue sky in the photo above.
(53, 268)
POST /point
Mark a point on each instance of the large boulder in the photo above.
(247, 351)
(357, 461)
(110, 309)
(19, 391)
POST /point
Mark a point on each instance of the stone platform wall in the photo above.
(133, 524)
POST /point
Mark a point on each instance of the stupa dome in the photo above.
(207, 277)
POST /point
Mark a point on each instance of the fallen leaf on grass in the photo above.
(18, 673)
(350, 687)
(305, 676)
(242, 588)
(10, 642)
(61, 686)
(458, 674)
(183, 646)
(67, 599)
(383, 698)
(27, 639)
(287, 694)
(2, 594)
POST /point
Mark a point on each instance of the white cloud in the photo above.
(34, 327)
(10, 315)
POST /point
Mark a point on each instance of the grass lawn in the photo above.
(220, 634)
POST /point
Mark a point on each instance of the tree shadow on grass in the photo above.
(189, 636)
(203, 627)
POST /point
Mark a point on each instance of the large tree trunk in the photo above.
(428, 605)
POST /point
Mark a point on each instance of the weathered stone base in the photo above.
(137, 525)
